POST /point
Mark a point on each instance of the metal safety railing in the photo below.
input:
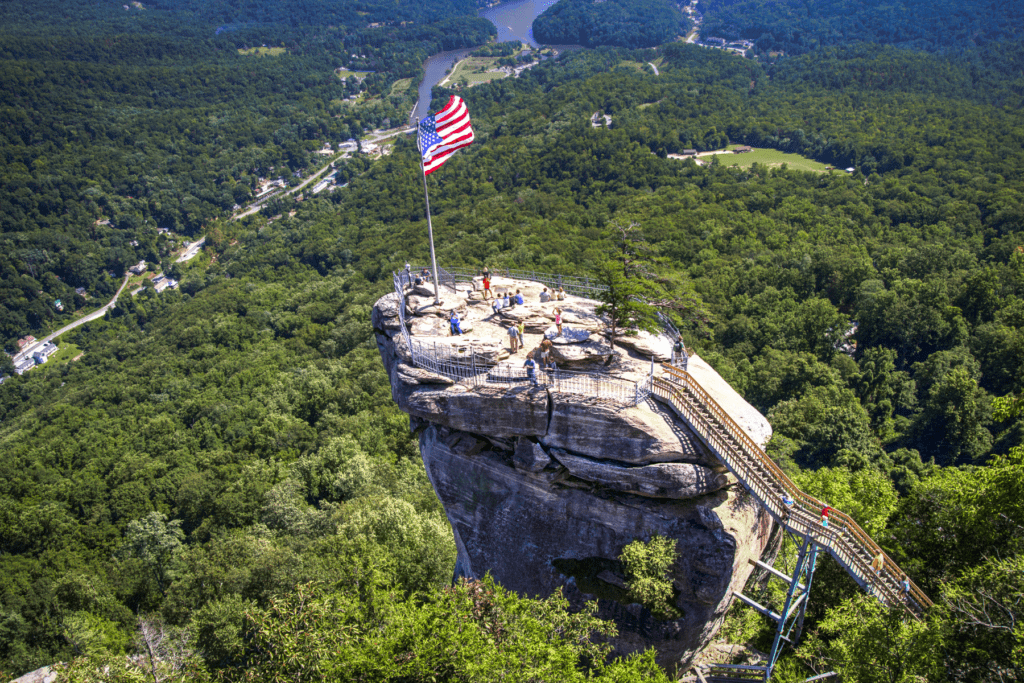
(462, 364)
(575, 285)
(764, 479)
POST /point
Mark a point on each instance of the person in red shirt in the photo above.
(825, 511)
(487, 287)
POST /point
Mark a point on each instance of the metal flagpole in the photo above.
(430, 227)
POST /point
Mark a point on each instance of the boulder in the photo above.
(647, 345)
(634, 435)
(485, 351)
(583, 319)
(425, 290)
(536, 535)
(428, 326)
(530, 456)
(570, 335)
(660, 480)
(384, 317)
(411, 375)
(531, 314)
(419, 305)
(517, 410)
(581, 355)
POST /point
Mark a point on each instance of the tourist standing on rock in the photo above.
(487, 287)
(677, 352)
(513, 338)
(408, 275)
(544, 296)
(454, 320)
(519, 298)
(531, 370)
(521, 330)
(558, 320)
(545, 352)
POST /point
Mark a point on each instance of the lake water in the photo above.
(514, 21)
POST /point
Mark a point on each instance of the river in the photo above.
(514, 21)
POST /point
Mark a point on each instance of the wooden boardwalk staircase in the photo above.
(843, 539)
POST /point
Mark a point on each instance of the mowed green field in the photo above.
(470, 68)
(771, 157)
(401, 86)
(271, 51)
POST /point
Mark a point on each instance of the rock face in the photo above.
(545, 488)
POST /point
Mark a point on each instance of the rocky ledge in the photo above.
(543, 489)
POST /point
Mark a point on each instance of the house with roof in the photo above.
(43, 354)
(139, 268)
(24, 365)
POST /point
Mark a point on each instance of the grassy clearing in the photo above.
(636, 66)
(476, 70)
(65, 351)
(771, 157)
(260, 51)
(400, 86)
(345, 73)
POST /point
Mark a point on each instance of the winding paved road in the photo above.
(31, 348)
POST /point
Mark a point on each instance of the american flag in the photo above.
(443, 133)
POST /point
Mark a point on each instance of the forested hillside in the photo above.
(121, 121)
(796, 27)
(626, 23)
(216, 450)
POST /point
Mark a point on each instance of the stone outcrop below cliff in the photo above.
(543, 488)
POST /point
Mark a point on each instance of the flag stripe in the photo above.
(441, 134)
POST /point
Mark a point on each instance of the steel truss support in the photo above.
(791, 619)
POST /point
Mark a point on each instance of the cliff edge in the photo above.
(545, 479)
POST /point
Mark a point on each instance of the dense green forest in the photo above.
(626, 23)
(133, 120)
(795, 26)
(224, 467)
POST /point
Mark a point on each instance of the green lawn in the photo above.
(400, 86)
(771, 157)
(632, 65)
(345, 73)
(66, 351)
(476, 70)
(272, 51)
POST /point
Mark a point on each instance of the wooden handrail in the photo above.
(745, 455)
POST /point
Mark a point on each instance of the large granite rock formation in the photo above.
(544, 489)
